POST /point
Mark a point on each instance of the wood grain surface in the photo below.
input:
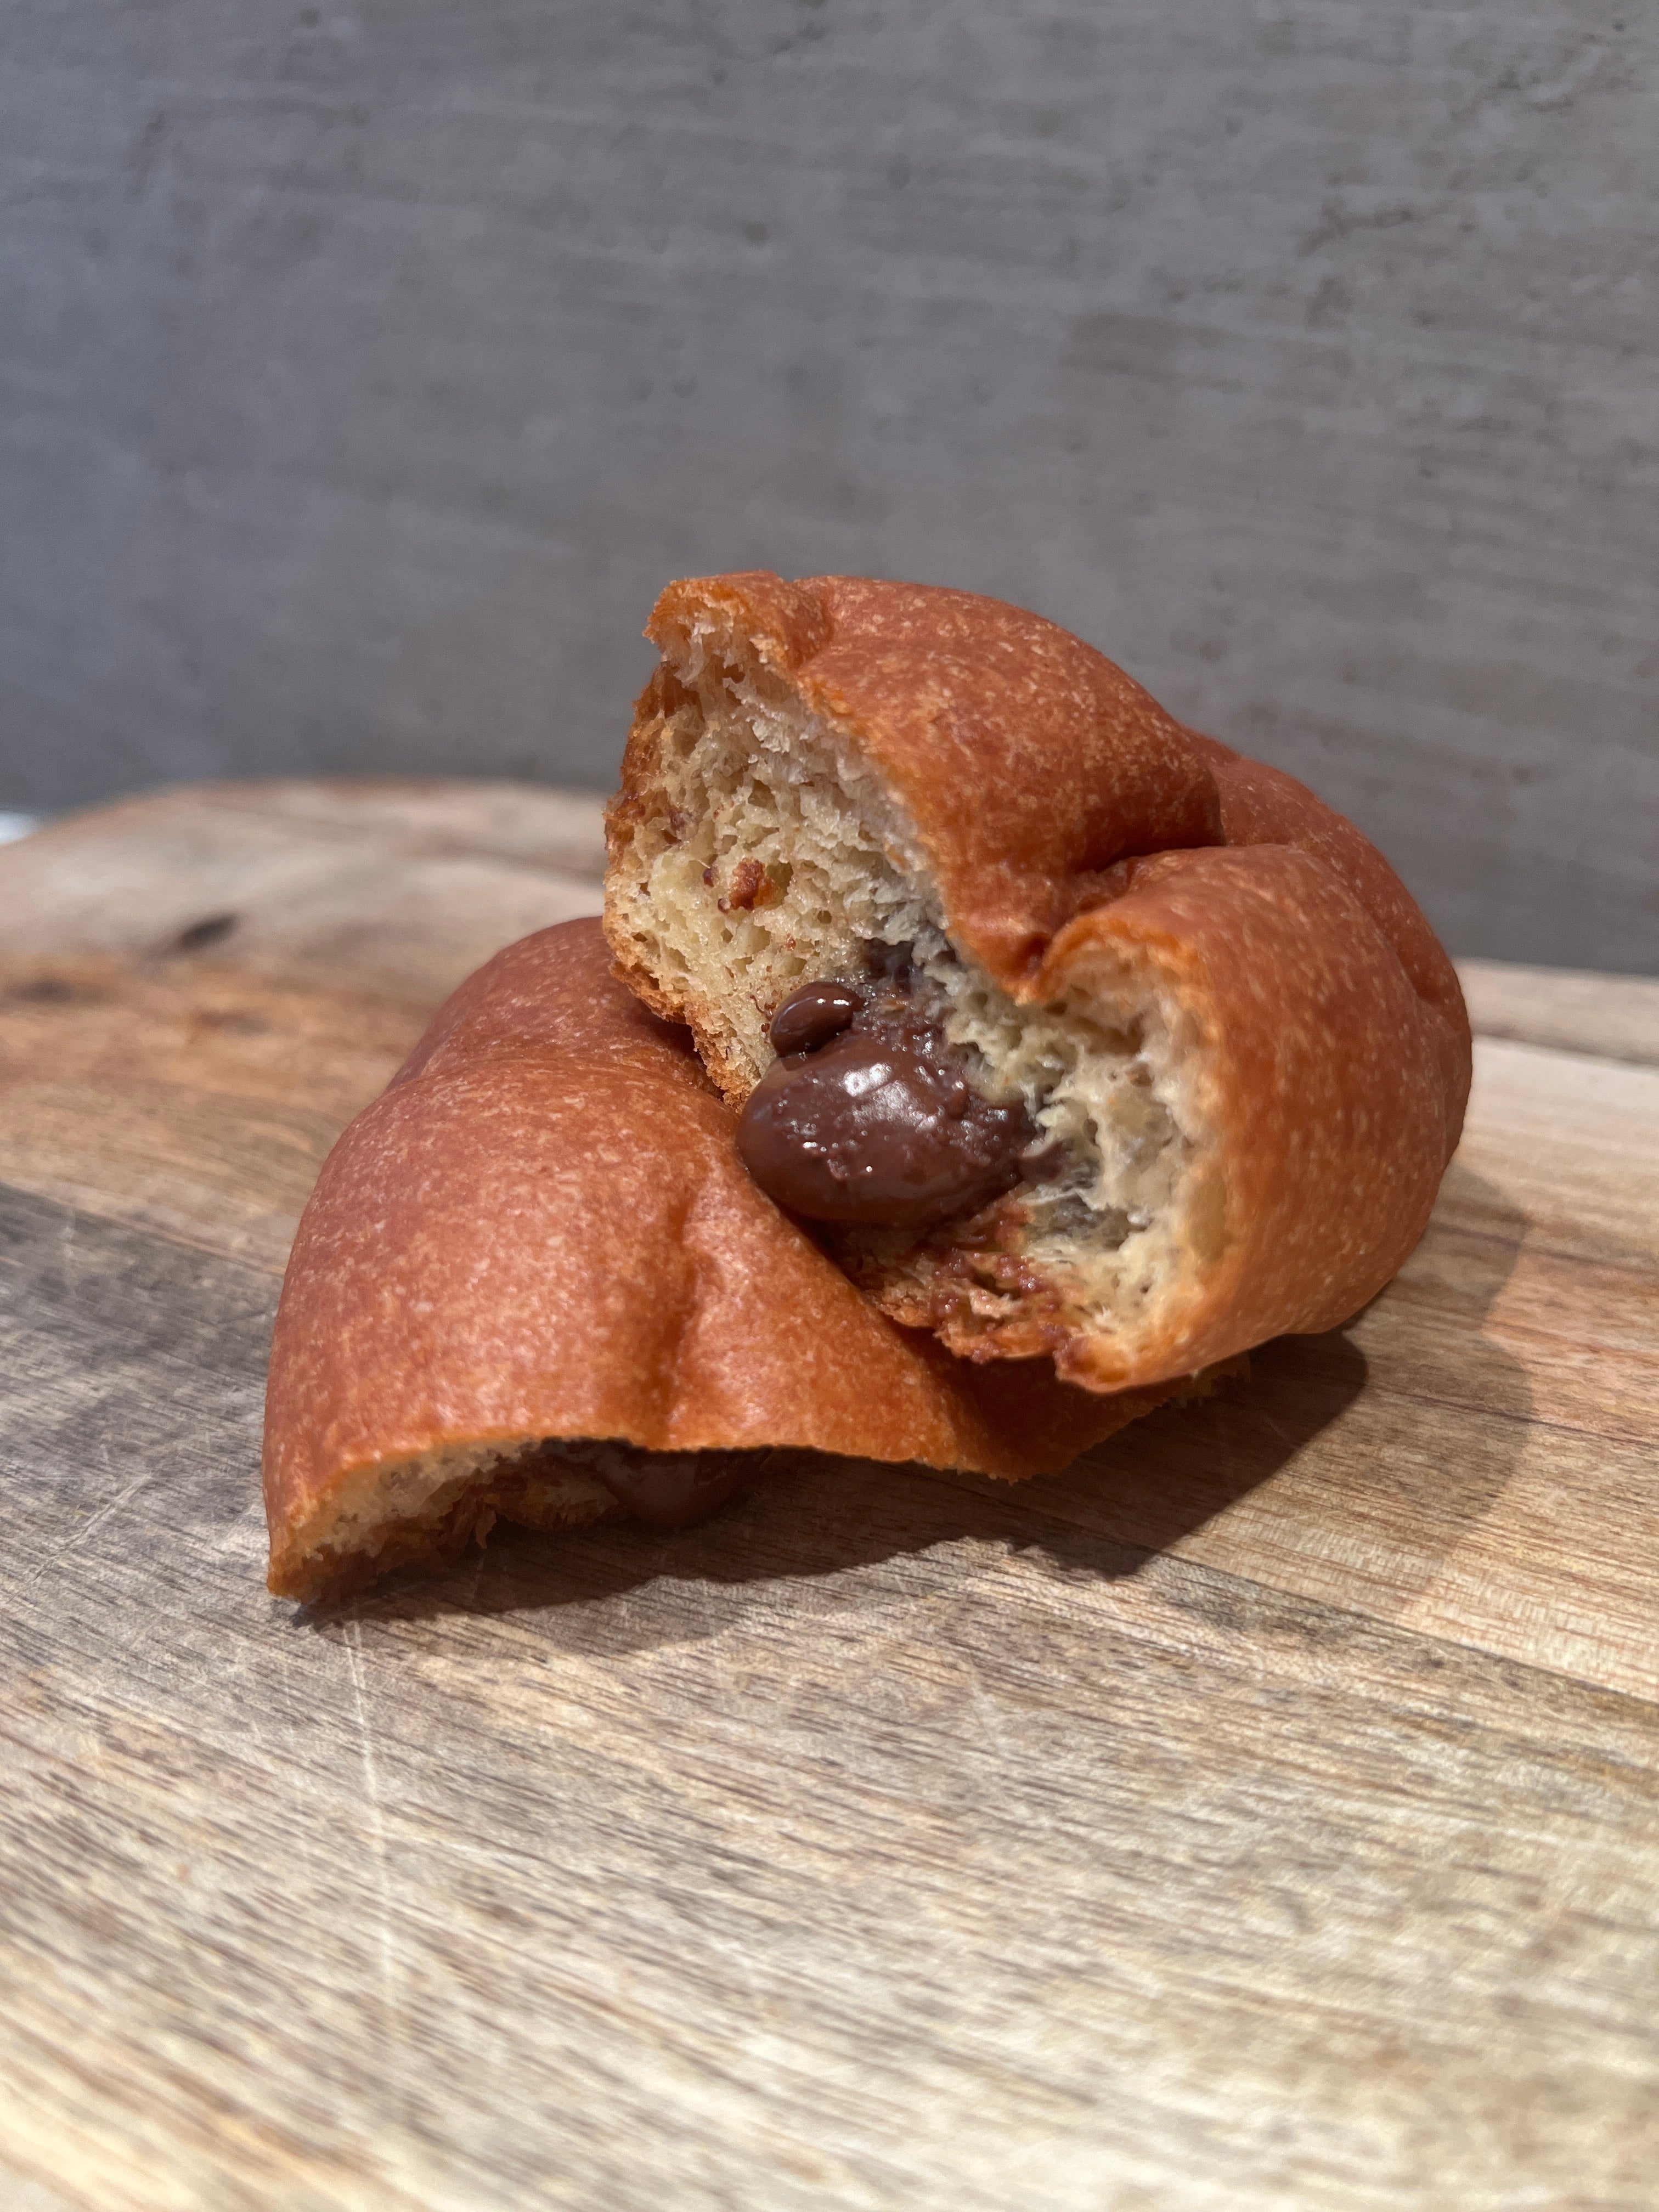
(1265, 1813)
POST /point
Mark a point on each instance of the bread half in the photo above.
(534, 1284)
(1213, 1056)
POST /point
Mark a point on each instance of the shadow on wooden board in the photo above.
(1392, 1438)
(1345, 1429)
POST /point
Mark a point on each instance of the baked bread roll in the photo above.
(534, 1284)
(1081, 1035)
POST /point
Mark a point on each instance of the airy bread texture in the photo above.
(1212, 997)
(538, 1240)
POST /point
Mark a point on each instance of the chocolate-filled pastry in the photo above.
(1080, 1034)
(534, 1284)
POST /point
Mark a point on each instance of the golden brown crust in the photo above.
(541, 1229)
(1075, 830)
(1263, 806)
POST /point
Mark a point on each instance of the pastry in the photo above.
(534, 1284)
(1078, 1035)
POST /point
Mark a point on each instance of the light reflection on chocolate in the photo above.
(812, 1016)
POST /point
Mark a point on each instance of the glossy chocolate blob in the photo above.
(879, 1126)
(671, 1490)
(812, 1016)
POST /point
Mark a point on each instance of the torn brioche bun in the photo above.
(1242, 1056)
(534, 1277)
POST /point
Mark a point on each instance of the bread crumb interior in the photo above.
(429, 1509)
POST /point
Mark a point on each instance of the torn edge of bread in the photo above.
(752, 851)
(426, 1510)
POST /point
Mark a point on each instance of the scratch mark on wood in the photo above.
(392, 2017)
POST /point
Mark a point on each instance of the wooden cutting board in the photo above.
(1265, 1813)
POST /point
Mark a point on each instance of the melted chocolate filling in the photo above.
(670, 1490)
(868, 1114)
(812, 1015)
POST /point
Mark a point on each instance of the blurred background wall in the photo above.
(368, 368)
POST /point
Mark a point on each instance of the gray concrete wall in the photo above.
(367, 369)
